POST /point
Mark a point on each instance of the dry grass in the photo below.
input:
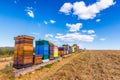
(88, 65)
(5, 61)
(91, 65)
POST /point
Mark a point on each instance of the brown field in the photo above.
(5, 61)
(87, 65)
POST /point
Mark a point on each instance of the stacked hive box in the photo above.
(70, 50)
(61, 51)
(42, 49)
(37, 59)
(76, 47)
(23, 51)
(51, 55)
(53, 52)
(73, 49)
(66, 48)
(55, 48)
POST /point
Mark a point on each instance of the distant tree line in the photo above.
(6, 51)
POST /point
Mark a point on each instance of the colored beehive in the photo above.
(37, 59)
(61, 51)
(73, 49)
(23, 51)
(23, 61)
(76, 47)
(41, 42)
(70, 50)
(53, 52)
(66, 47)
(42, 49)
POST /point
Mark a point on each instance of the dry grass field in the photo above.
(5, 61)
(87, 65)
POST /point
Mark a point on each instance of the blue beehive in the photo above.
(42, 49)
(70, 50)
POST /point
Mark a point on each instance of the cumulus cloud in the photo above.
(52, 21)
(75, 37)
(87, 12)
(74, 27)
(102, 39)
(30, 12)
(91, 31)
(48, 35)
(59, 34)
(66, 8)
(98, 20)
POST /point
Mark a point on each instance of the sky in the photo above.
(92, 24)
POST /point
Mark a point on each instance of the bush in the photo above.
(6, 52)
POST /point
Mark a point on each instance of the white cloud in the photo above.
(93, 35)
(45, 22)
(87, 12)
(91, 31)
(66, 8)
(84, 31)
(59, 34)
(35, 33)
(74, 27)
(75, 37)
(30, 12)
(52, 21)
(98, 20)
(102, 39)
(48, 35)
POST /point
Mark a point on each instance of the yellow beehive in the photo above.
(55, 54)
(73, 49)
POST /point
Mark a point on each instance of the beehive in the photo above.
(53, 52)
(37, 59)
(66, 48)
(61, 51)
(70, 50)
(42, 49)
(76, 47)
(73, 49)
(23, 51)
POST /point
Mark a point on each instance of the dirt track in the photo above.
(88, 65)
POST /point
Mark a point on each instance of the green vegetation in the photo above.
(6, 52)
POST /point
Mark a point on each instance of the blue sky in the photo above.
(93, 24)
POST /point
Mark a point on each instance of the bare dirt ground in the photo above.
(5, 61)
(87, 65)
